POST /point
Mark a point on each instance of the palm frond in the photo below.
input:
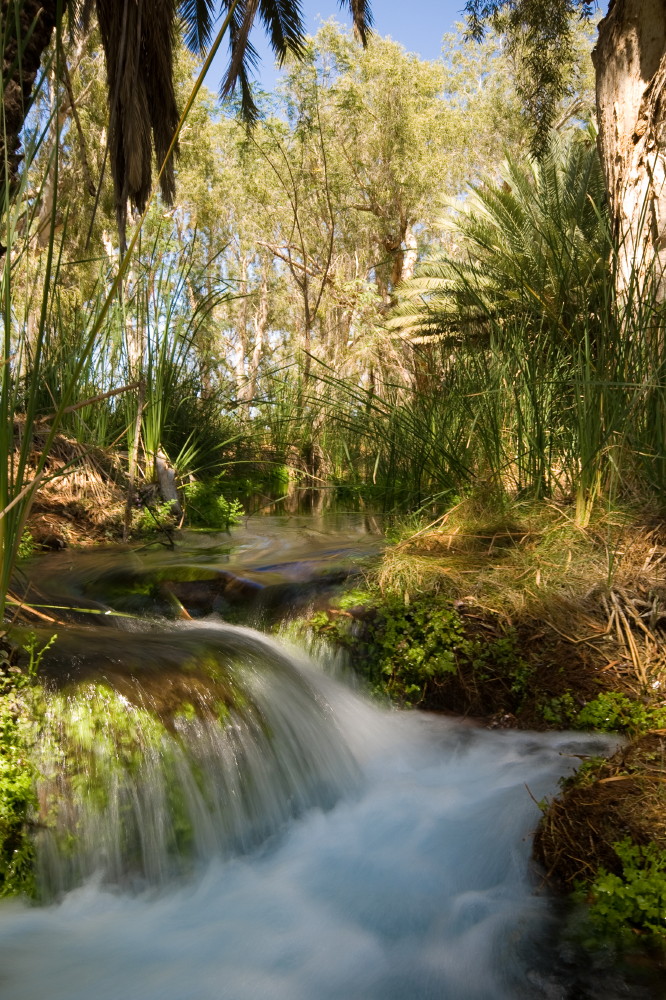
(362, 17)
(138, 41)
(198, 18)
(533, 245)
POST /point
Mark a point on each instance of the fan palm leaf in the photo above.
(532, 245)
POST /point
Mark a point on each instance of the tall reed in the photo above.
(48, 363)
(523, 370)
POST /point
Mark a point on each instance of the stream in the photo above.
(228, 818)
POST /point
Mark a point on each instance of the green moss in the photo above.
(358, 596)
(94, 741)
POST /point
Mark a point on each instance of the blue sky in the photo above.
(416, 24)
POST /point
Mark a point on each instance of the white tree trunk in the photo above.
(166, 478)
(630, 63)
(410, 255)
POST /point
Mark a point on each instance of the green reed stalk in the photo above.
(28, 340)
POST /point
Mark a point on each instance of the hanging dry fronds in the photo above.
(138, 38)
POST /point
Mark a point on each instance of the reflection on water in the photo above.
(272, 560)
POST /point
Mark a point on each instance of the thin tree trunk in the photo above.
(26, 27)
(410, 254)
(630, 63)
(260, 329)
(241, 360)
(133, 461)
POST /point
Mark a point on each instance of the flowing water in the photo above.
(224, 820)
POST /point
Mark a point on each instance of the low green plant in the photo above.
(615, 712)
(404, 647)
(31, 645)
(18, 798)
(26, 546)
(17, 801)
(622, 907)
(609, 712)
(207, 507)
(154, 518)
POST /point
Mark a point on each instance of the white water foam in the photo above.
(417, 888)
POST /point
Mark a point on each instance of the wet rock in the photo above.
(215, 594)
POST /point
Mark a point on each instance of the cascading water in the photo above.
(150, 786)
(223, 821)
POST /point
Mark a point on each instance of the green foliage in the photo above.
(405, 648)
(18, 799)
(354, 597)
(154, 519)
(207, 507)
(609, 712)
(415, 643)
(615, 712)
(534, 384)
(31, 645)
(532, 245)
(623, 907)
(26, 546)
(540, 37)
(18, 802)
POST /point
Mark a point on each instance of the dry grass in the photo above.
(599, 590)
(81, 499)
(624, 796)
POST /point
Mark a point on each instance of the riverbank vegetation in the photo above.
(377, 296)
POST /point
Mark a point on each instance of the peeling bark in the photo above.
(630, 64)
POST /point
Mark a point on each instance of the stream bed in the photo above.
(335, 850)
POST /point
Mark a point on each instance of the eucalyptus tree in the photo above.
(138, 38)
(630, 64)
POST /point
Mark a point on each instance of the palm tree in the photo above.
(532, 246)
(138, 37)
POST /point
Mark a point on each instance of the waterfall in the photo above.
(295, 843)
(142, 782)
(220, 819)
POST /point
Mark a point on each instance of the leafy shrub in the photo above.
(620, 907)
(26, 545)
(609, 712)
(18, 799)
(208, 508)
(404, 648)
(153, 518)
